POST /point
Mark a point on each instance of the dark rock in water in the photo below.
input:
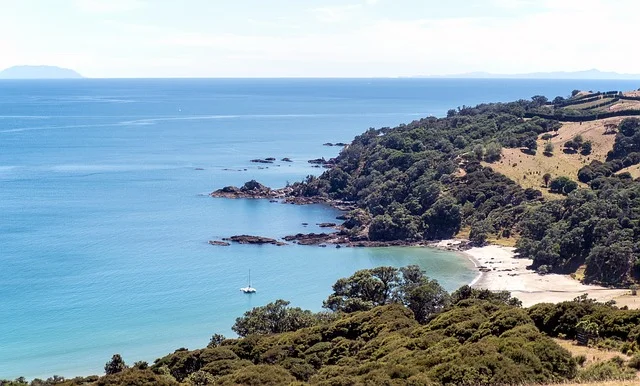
(286, 159)
(219, 243)
(342, 217)
(327, 224)
(270, 159)
(198, 169)
(262, 161)
(338, 246)
(253, 185)
(340, 144)
(327, 144)
(321, 161)
(229, 189)
(311, 238)
(305, 223)
(316, 166)
(251, 189)
(246, 239)
(322, 245)
(273, 200)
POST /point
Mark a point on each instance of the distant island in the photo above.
(39, 72)
(587, 74)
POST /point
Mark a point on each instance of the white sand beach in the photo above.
(505, 272)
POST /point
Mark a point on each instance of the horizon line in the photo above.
(412, 77)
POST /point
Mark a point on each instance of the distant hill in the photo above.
(39, 72)
(587, 74)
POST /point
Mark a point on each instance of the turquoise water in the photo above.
(104, 218)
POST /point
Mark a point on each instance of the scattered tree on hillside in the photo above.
(548, 149)
(531, 144)
(493, 152)
(578, 140)
(588, 326)
(539, 100)
(369, 288)
(586, 148)
(546, 178)
(571, 145)
(274, 318)
(216, 340)
(562, 185)
(478, 150)
(460, 142)
(115, 365)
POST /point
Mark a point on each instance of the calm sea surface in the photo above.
(104, 218)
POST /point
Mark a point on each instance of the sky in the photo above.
(313, 38)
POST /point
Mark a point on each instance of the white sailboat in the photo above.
(248, 289)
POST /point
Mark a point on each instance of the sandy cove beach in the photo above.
(502, 271)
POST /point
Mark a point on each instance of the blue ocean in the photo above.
(105, 218)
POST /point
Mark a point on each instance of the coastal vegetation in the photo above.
(402, 330)
(429, 179)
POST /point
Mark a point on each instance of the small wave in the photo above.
(21, 129)
(83, 98)
(148, 121)
(98, 168)
(152, 121)
(25, 117)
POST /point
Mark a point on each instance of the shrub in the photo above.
(115, 365)
(604, 371)
(634, 362)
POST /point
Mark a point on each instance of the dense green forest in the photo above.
(394, 327)
(425, 181)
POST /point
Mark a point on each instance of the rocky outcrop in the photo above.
(251, 189)
(219, 243)
(256, 240)
(335, 144)
(286, 159)
(263, 161)
(327, 225)
(316, 238)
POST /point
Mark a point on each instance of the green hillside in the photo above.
(430, 178)
(397, 327)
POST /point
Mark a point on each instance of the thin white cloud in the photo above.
(543, 41)
(280, 23)
(511, 4)
(567, 35)
(335, 14)
(108, 6)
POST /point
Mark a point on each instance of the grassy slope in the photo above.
(527, 170)
(595, 355)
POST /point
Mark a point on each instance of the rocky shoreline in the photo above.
(255, 190)
(342, 238)
(338, 239)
